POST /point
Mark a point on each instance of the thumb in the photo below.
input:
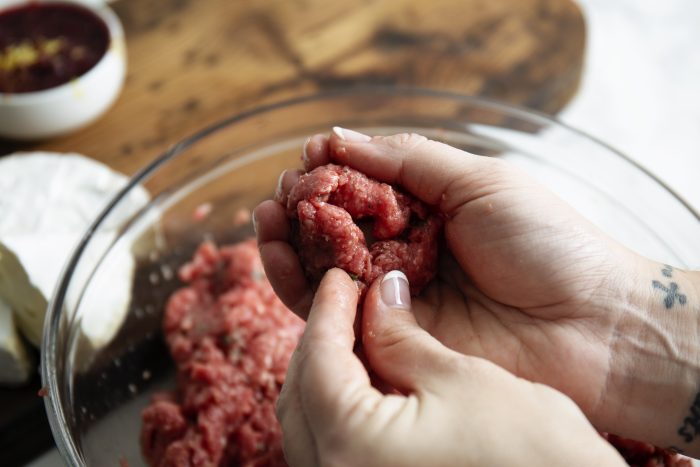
(434, 172)
(399, 351)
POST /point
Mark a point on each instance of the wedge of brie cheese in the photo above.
(19, 294)
(50, 201)
(15, 362)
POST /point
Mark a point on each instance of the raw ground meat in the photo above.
(640, 454)
(231, 339)
(329, 201)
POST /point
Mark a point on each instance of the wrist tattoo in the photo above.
(667, 270)
(691, 424)
(672, 292)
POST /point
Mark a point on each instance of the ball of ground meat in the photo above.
(342, 218)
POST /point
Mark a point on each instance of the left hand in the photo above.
(451, 409)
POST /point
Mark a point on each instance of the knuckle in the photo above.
(499, 168)
(405, 141)
(398, 341)
(394, 337)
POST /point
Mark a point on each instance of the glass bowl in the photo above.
(200, 189)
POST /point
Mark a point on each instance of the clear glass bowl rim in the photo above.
(49, 376)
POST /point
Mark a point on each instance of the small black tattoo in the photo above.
(667, 270)
(671, 293)
(675, 449)
(691, 424)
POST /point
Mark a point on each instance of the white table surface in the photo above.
(640, 92)
(641, 86)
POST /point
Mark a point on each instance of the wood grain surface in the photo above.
(193, 62)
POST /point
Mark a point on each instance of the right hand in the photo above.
(452, 409)
(529, 283)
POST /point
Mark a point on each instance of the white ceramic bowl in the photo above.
(69, 106)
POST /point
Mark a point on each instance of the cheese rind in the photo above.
(105, 301)
(28, 303)
(15, 362)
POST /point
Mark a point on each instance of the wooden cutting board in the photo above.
(193, 62)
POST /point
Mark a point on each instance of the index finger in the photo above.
(315, 152)
(434, 172)
(333, 381)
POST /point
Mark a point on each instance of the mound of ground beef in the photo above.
(329, 207)
(231, 339)
(641, 454)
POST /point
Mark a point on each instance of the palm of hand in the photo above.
(502, 313)
(532, 347)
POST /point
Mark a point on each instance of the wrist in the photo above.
(654, 370)
(565, 437)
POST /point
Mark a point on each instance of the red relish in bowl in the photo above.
(43, 45)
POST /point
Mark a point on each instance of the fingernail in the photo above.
(255, 223)
(278, 190)
(304, 154)
(350, 135)
(395, 291)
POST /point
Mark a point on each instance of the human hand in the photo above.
(451, 410)
(528, 284)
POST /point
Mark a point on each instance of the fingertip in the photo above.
(343, 141)
(337, 287)
(352, 136)
(333, 310)
(286, 181)
(377, 313)
(305, 152)
(316, 152)
(338, 132)
(336, 275)
(336, 149)
(365, 154)
(279, 195)
(395, 291)
(286, 276)
(270, 222)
